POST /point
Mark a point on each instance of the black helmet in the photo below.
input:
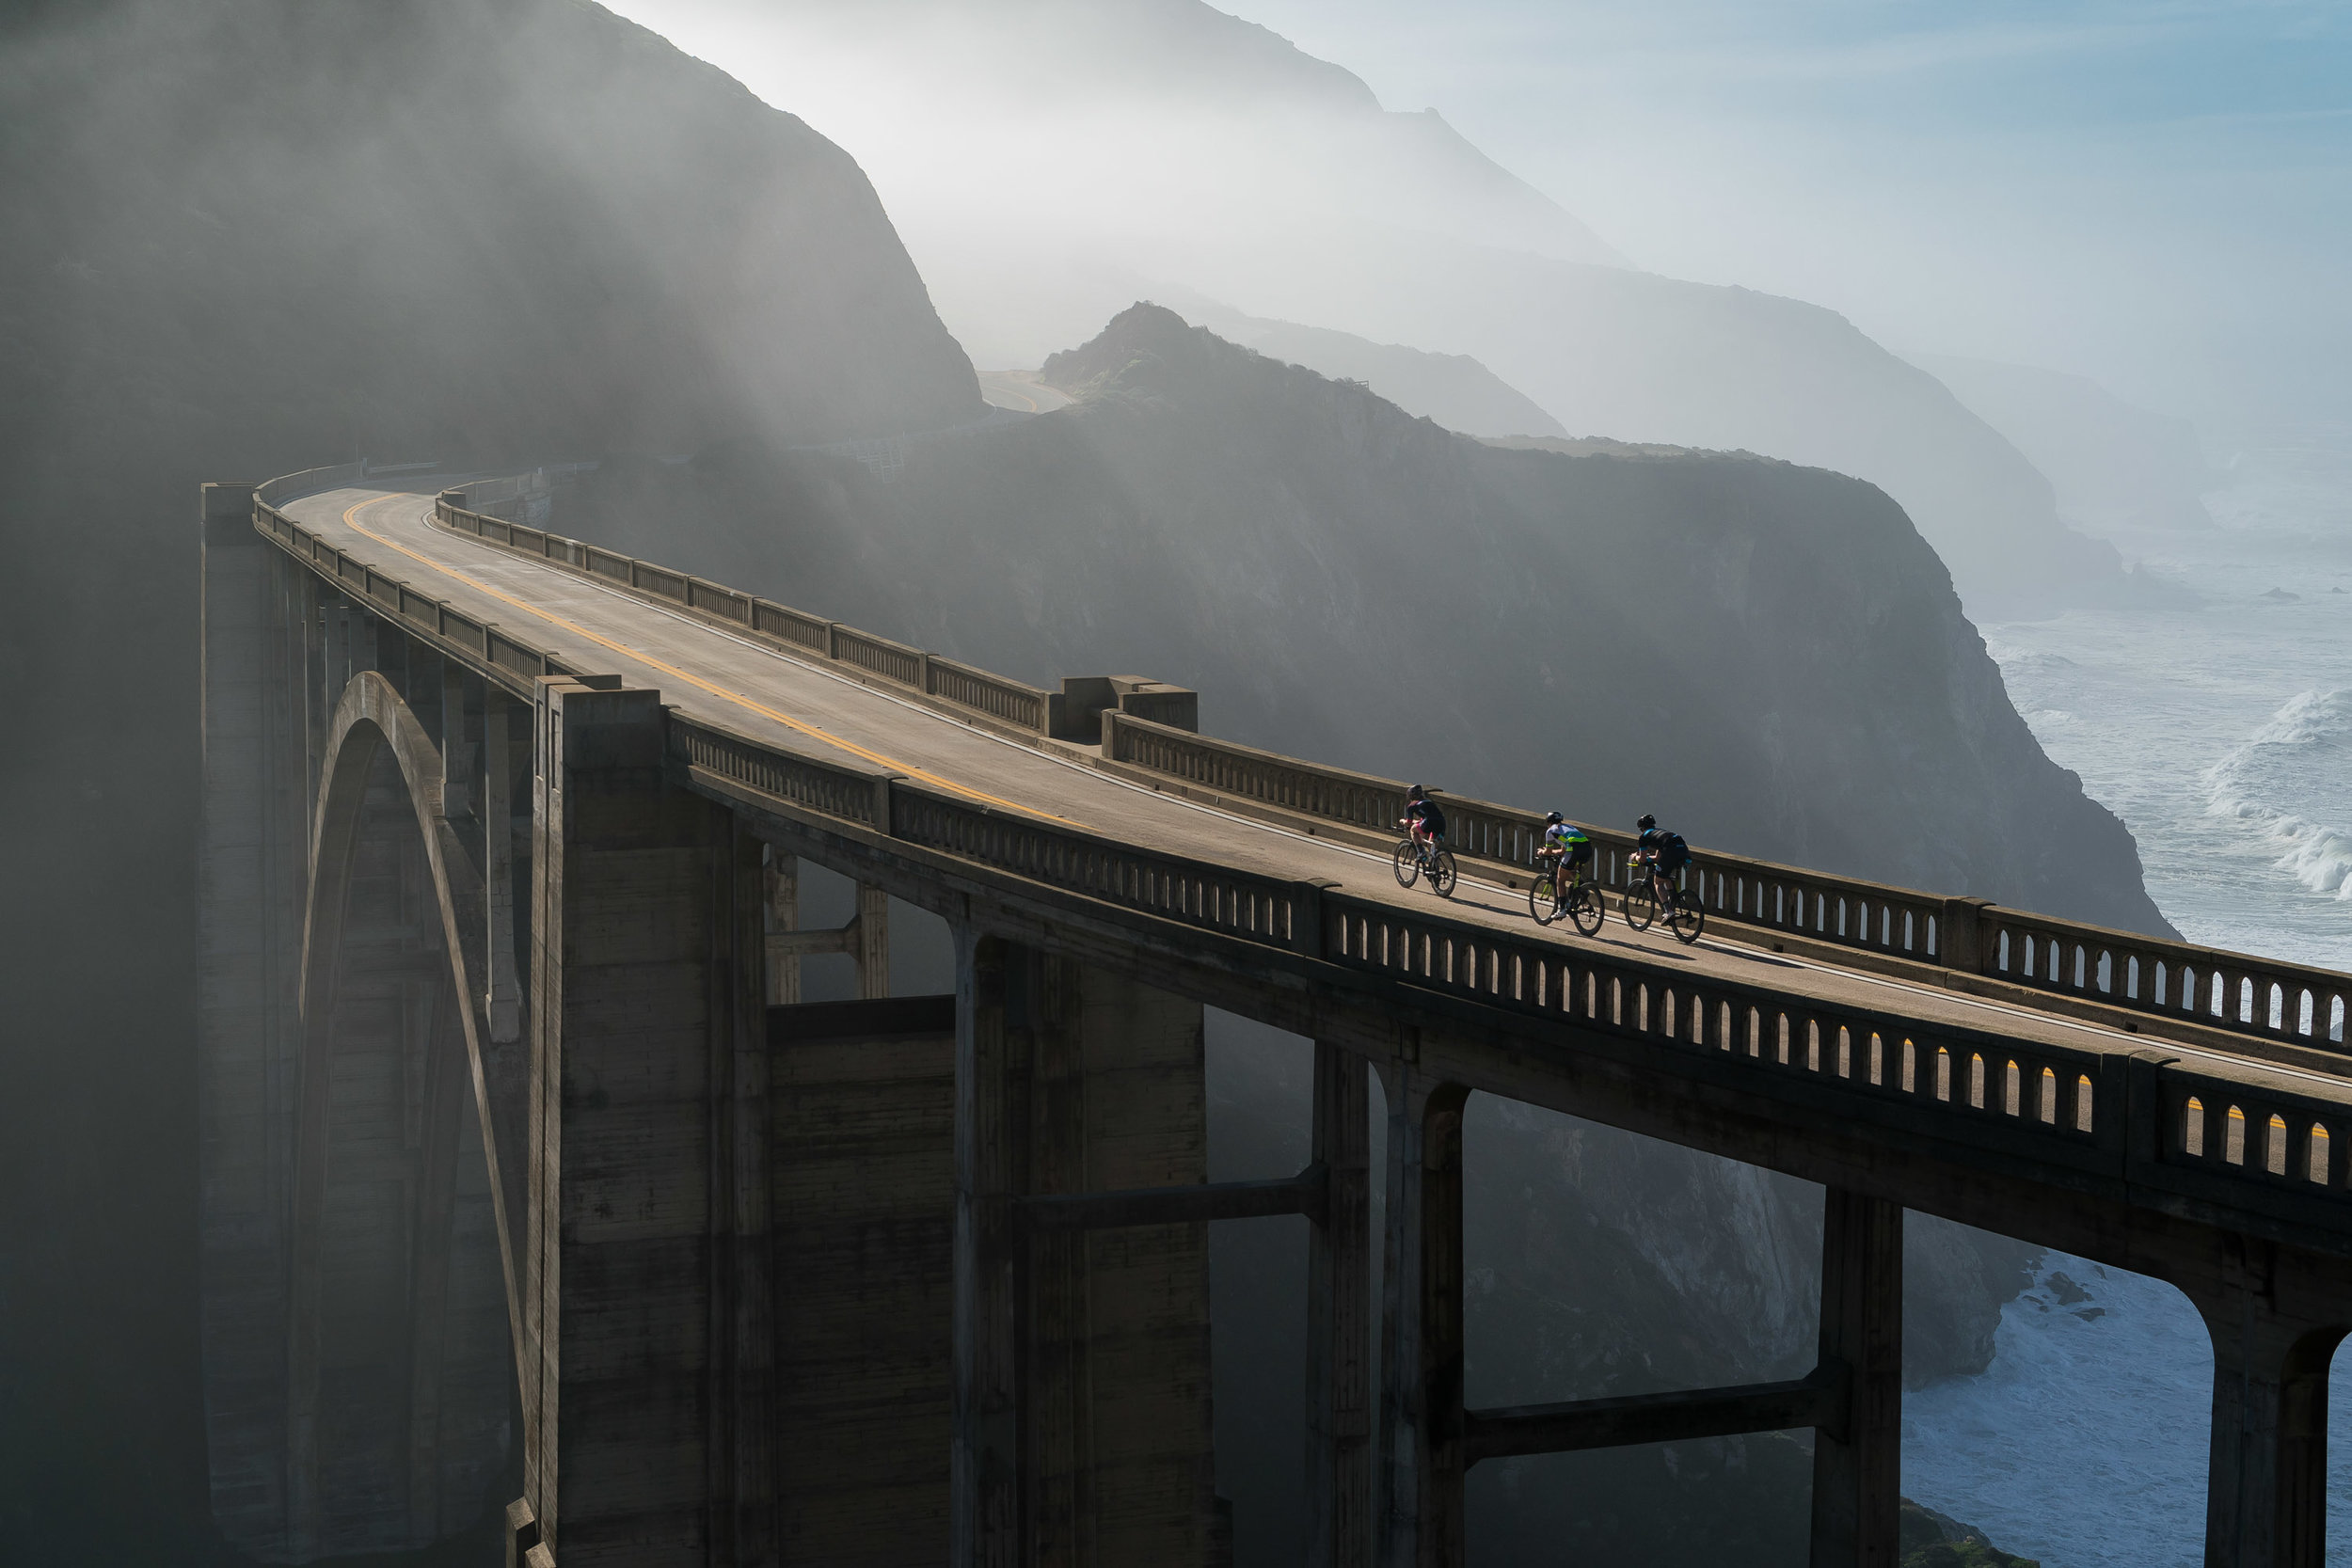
(1414, 793)
(1552, 818)
(1647, 822)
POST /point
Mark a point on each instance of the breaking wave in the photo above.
(2304, 754)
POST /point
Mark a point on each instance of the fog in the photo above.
(243, 239)
(2155, 197)
(1993, 269)
(1047, 162)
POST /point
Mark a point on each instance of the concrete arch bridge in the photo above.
(519, 1139)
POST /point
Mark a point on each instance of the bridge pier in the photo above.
(1857, 1458)
(2267, 1482)
(1421, 1463)
(1338, 1312)
(1852, 1400)
(1080, 1423)
(647, 1382)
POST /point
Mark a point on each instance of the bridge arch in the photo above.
(383, 1429)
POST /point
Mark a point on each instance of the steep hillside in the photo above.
(246, 236)
(1769, 657)
(1160, 149)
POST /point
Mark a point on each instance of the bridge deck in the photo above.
(764, 692)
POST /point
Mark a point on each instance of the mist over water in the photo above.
(2220, 728)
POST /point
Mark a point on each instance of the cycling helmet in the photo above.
(1554, 819)
(1647, 822)
(1415, 793)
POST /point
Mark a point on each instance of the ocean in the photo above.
(2214, 717)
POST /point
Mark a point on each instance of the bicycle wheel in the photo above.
(1687, 919)
(1408, 862)
(1442, 874)
(1585, 907)
(1544, 901)
(1641, 906)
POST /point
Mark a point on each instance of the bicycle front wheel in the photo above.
(1408, 862)
(1442, 874)
(1686, 920)
(1544, 901)
(1585, 908)
(1641, 906)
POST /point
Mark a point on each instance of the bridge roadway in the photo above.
(2155, 1170)
(765, 692)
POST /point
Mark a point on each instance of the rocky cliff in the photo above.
(1766, 656)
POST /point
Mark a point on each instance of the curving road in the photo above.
(760, 690)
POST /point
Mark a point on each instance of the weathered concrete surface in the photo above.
(1082, 1421)
(864, 1195)
(648, 1384)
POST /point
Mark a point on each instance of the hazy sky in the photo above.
(2158, 193)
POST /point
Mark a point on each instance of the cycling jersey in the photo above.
(1427, 814)
(1568, 838)
(1673, 854)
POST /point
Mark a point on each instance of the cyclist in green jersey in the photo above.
(1563, 845)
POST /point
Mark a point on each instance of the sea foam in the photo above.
(2304, 754)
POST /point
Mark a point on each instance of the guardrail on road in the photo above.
(958, 686)
(2262, 998)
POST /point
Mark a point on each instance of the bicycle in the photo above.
(1416, 858)
(1580, 900)
(1654, 895)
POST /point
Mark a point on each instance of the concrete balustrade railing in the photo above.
(2290, 1004)
(2295, 1004)
(958, 686)
(432, 619)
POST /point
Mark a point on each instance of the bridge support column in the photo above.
(1082, 1429)
(1422, 1461)
(872, 951)
(782, 874)
(1857, 1465)
(2266, 1487)
(648, 1388)
(1339, 1319)
(984, 1449)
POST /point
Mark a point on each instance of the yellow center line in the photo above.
(350, 521)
